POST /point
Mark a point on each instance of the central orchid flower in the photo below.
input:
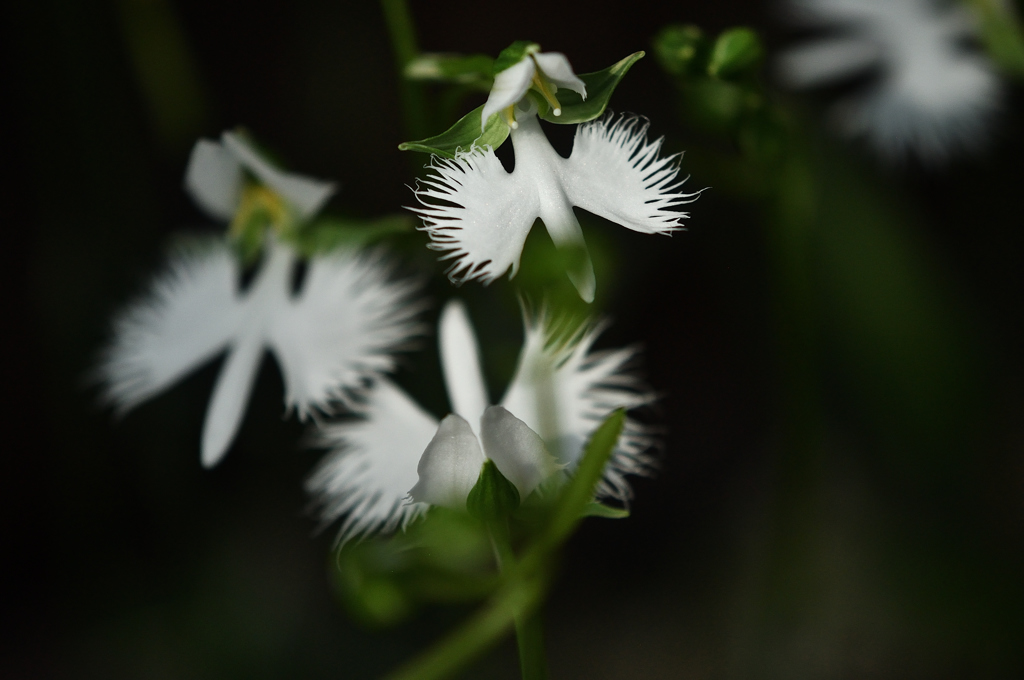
(386, 467)
(479, 215)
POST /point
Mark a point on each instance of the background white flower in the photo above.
(560, 390)
(479, 215)
(932, 96)
(342, 325)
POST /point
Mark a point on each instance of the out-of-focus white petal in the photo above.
(477, 214)
(450, 465)
(563, 392)
(826, 61)
(187, 318)
(213, 179)
(306, 194)
(614, 172)
(229, 399)
(556, 67)
(509, 87)
(344, 323)
(460, 361)
(517, 451)
(373, 463)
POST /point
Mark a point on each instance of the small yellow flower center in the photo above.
(261, 203)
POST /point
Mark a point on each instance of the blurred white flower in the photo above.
(545, 71)
(479, 215)
(339, 328)
(558, 396)
(933, 96)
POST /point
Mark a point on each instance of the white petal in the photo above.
(563, 392)
(509, 87)
(450, 465)
(556, 67)
(229, 399)
(306, 194)
(484, 231)
(826, 61)
(517, 451)
(367, 475)
(460, 361)
(186, 319)
(343, 325)
(214, 179)
(614, 172)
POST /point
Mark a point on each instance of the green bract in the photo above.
(493, 497)
(463, 135)
(600, 86)
(737, 52)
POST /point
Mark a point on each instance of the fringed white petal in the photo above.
(477, 214)
(614, 172)
(509, 87)
(213, 178)
(344, 324)
(556, 67)
(450, 465)
(563, 392)
(460, 361)
(306, 194)
(372, 464)
(933, 96)
(187, 318)
(517, 451)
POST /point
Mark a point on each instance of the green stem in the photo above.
(402, 30)
(528, 621)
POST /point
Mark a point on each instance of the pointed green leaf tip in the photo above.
(737, 52)
(600, 86)
(493, 497)
(513, 54)
(464, 135)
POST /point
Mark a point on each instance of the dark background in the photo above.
(896, 553)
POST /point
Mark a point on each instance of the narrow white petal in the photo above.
(614, 172)
(450, 465)
(187, 318)
(556, 67)
(477, 214)
(460, 361)
(826, 61)
(563, 392)
(509, 87)
(372, 463)
(213, 179)
(344, 324)
(306, 194)
(229, 399)
(517, 451)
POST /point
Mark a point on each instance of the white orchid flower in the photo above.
(932, 97)
(338, 329)
(543, 71)
(397, 452)
(479, 215)
(215, 178)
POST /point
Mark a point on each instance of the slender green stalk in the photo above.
(402, 30)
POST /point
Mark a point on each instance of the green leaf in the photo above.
(681, 50)
(1002, 34)
(596, 509)
(579, 492)
(493, 497)
(600, 86)
(737, 52)
(476, 70)
(464, 135)
(324, 235)
(513, 54)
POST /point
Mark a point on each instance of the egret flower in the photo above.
(932, 96)
(543, 71)
(385, 467)
(479, 215)
(337, 329)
